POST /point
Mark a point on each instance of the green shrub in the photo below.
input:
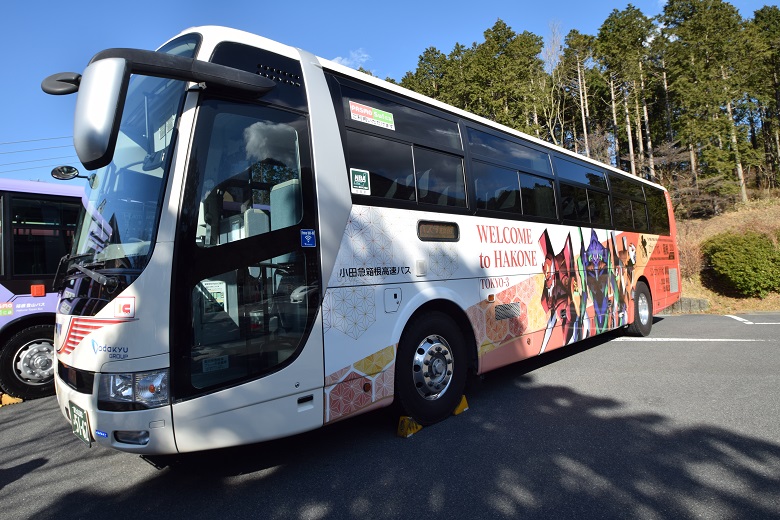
(747, 264)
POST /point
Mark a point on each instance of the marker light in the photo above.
(133, 390)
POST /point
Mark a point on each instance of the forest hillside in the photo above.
(762, 217)
(689, 99)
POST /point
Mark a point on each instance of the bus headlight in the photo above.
(133, 390)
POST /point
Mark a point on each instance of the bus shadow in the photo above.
(524, 449)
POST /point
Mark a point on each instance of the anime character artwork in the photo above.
(625, 260)
(563, 296)
(599, 280)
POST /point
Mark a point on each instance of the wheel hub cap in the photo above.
(644, 309)
(432, 367)
(35, 363)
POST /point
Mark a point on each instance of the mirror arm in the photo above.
(62, 83)
(158, 64)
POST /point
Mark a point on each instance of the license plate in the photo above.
(79, 421)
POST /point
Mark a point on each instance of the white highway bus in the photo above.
(274, 242)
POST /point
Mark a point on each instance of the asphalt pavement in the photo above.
(683, 424)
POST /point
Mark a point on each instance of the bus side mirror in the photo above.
(64, 173)
(102, 92)
(103, 88)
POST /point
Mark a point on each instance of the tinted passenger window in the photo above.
(42, 234)
(368, 112)
(496, 148)
(538, 196)
(659, 215)
(579, 173)
(622, 211)
(388, 163)
(574, 203)
(599, 209)
(439, 178)
(626, 188)
(640, 215)
(496, 188)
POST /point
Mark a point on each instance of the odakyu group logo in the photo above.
(113, 352)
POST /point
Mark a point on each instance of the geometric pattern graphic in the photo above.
(352, 310)
(367, 257)
(443, 260)
(492, 328)
(378, 245)
(355, 388)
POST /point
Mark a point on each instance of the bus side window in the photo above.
(388, 163)
(623, 217)
(496, 188)
(598, 202)
(659, 214)
(538, 196)
(439, 178)
(640, 215)
(249, 160)
(574, 203)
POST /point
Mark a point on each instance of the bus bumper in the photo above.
(145, 432)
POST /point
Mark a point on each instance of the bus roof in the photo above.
(63, 188)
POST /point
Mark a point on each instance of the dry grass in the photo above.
(762, 216)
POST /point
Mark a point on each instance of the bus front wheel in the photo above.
(643, 311)
(431, 367)
(27, 363)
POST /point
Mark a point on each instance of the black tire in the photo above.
(27, 363)
(643, 311)
(430, 368)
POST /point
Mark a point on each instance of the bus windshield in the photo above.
(123, 198)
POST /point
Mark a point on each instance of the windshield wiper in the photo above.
(99, 278)
(57, 283)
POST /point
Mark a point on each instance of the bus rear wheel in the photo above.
(27, 363)
(643, 311)
(431, 368)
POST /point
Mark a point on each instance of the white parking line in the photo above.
(746, 322)
(691, 340)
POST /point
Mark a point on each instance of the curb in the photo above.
(6, 399)
(688, 306)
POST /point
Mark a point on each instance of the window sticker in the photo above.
(371, 116)
(308, 238)
(359, 181)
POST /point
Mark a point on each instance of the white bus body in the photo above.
(196, 339)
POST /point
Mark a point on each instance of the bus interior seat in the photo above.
(285, 209)
(444, 198)
(256, 222)
(506, 198)
(422, 186)
(402, 188)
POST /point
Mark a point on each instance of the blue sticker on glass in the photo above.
(308, 239)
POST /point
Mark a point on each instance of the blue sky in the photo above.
(41, 38)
